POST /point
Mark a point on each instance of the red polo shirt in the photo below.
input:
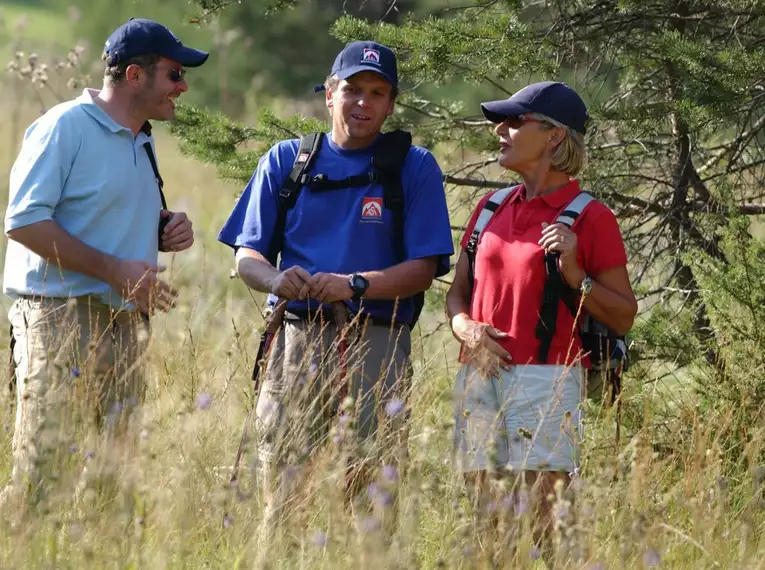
(510, 271)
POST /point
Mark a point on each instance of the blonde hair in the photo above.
(571, 153)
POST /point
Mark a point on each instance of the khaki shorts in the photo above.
(529, 418)
(299, 400)
(77, 362)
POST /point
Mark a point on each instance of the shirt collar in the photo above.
(88, 103)
(557, 199)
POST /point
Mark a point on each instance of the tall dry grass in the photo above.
(665, 497)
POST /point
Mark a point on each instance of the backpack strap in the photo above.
(146, 128)
(308, 150)
(556, 289)
(489, 208)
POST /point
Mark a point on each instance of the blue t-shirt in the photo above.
(346, 230)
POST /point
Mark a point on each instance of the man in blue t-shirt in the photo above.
(339, 249)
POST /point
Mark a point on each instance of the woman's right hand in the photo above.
(481, 342)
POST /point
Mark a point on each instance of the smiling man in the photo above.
(360, 223)
(85, 220)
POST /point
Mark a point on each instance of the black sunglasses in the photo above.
(175, 74)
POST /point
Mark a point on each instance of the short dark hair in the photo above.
(114, 73)
(333, 81)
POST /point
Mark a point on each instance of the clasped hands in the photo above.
(297, 283)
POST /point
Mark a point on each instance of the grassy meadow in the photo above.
(665, 497)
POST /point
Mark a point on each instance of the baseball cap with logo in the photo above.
(139, 36)
(365, 56)
(551, 98)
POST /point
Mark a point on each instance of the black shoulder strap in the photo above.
(388, 159)
(150, 153)
(556, 289)
(308, 149)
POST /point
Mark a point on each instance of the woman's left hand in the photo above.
(557, 237)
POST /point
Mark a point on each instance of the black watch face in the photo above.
(359, 282)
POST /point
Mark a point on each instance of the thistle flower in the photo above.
(204, 401)
(394, 407)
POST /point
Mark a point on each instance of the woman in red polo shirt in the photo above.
(513, 411)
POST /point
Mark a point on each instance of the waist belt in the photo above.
(327, 315)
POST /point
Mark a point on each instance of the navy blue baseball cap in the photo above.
(551, 98)
(139, 36)
(365, 56)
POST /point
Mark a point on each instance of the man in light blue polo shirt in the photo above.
(85, 221)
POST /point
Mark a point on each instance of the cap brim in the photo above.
(348, 72)
(498, 111)
(188, 57)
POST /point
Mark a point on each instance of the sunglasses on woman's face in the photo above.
(517, 121)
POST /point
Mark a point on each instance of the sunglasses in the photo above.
(516, 122)
(176, 74)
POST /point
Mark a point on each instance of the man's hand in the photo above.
(289, 283)
(137, 281)
(178, 234)
(328, 288)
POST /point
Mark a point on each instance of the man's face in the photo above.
(359, 106)
(156, 95)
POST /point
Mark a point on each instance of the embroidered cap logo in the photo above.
(371, 56)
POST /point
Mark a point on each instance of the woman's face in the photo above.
(524, 143)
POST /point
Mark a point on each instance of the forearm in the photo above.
(610, 308)
(54, 244)
(402, 280)
(255, 270)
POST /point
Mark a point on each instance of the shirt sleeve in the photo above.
(40, 171)
(426, 222)
(252, 222)
(602, 243)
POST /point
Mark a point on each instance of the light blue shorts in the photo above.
(527, 419)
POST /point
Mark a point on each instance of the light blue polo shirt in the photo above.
(79, 167)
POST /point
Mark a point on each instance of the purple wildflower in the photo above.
(204, 401)
(522, 504)
(90, 454)
(76, 372)
(370, 524)
(394, 407)
(651, 558)
(389, 474)
(535, 553)
(74, 448)
(319, 539)
(227, 521)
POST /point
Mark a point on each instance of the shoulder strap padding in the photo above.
(572, 211)
(308, 150)
(391, 150)
(491, 206)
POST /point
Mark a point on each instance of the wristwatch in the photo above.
(358, 285)
(586, 286)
